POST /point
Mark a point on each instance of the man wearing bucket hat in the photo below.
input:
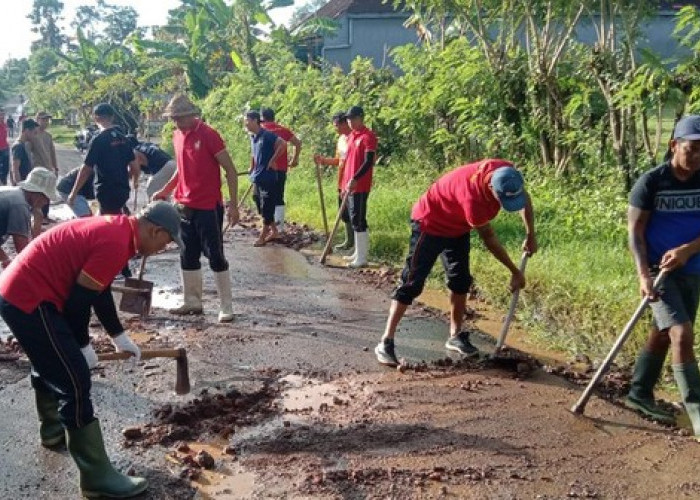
(45, 299)
(663, 219)
(19, 204)
(200, 153)
(466, 198)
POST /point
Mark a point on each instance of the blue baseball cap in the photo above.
(688, 128)
(509, 186)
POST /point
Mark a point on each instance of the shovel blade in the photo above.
(137, 303)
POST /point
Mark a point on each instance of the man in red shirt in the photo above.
(45, 298)
(282, 164)
(340, 122)
(200, 153)
(466, 198)
(357, 179)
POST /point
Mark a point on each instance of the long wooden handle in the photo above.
(146, 354)
(580, 405)
(511, 309)
(319, 182)
(143, 266)
(245, 195)
(327, 248)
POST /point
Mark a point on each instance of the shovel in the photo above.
(136, 293)
(511, 309)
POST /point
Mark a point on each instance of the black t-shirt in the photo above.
(110, 154)
(65, 185)
(156, 157)
(19, 152)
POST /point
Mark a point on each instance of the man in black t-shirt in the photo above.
(21, 158)
(108, 156)
(153, 161)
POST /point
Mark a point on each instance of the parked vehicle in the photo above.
(84, 137)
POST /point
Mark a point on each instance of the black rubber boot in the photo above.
(97, 476)
(349, 238)
(688, 380)
(51, 429)
(647, 371)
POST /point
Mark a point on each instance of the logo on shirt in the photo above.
(358, 142)
(198, 145)
(677, 201)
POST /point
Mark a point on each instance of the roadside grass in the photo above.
(63, 134)
(581, 284)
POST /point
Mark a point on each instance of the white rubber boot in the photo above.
(223, 288)
(279, 218)
(361, 249)
(192, 291)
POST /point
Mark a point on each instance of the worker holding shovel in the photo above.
(45, 299)
(467, 198)
(663, 221)
(340, 122)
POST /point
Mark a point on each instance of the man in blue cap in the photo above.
(664, 235)
(466, 198)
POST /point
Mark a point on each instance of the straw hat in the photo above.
(180, 105)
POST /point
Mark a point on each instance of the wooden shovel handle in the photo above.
(149, 354)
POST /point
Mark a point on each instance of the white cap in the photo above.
(40, 180)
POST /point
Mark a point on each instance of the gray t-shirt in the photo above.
(15, 214)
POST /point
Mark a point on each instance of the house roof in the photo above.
(335, 8)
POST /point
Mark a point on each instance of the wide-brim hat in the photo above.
(180, 105)
(40, 180)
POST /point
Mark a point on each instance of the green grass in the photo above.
(63, 134)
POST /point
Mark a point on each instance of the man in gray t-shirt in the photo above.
(18, 204)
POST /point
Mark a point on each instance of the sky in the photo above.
(15, 29)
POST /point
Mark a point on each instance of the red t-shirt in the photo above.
(459, 200)
(198, 170)
(3, 136)
(282, 161)
(48, 268)
(360, 142)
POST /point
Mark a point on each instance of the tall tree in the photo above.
(45, 17)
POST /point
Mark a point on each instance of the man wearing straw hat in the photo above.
(200, 153)
(19, 204)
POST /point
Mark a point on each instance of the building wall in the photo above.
(374, 35)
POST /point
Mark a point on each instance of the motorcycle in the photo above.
(84, 137)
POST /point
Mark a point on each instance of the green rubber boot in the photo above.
(51, 429)
(688, 380)
(647, 371)
(349, 238)
(97, 476)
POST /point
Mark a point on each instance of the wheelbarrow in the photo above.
(136, 293)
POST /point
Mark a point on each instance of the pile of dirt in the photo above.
(295, 236)
(212, 415)
(386, 483)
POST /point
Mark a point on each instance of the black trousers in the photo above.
(357, 209)
(266, 196)
(202, 233)
(4, 165)
(423, 251)
(345, 216)
(58, 366)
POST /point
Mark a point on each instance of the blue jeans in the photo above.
(58, 366)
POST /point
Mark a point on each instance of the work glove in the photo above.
(89, 355)
(123, 343)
